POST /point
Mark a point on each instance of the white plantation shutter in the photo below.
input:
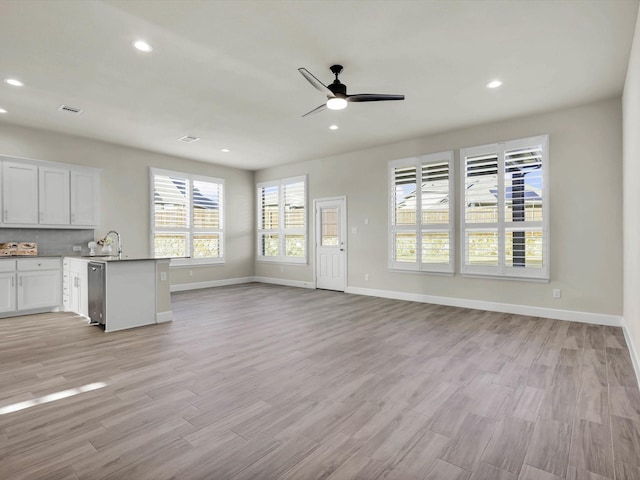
(171, 201)
(282, 222)
(187, 218)
(505, 227)
(421, 216)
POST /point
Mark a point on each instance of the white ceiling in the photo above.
(226, 71)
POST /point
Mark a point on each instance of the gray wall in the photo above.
(586, 206)
(586, 211)
(125, 197)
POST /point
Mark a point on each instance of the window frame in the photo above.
(190, 231)
(502, 226)
(281, 231)
(419, 266)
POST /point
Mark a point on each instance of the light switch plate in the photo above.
(77, 248)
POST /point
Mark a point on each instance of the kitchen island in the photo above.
(128, 292)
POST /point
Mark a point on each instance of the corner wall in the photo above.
(631, 169)
(125, 196)
(586, 215)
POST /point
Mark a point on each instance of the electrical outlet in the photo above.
(354, 230)
(191, 273)
(366, 277)
(163, 276)
(77, 248)
(556, 293)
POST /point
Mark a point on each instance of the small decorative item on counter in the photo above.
(92, 248)
(8, 248)
(27, 248)
(105, 243)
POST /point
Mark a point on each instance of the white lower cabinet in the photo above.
(38, 289)
(75, 288)
(29, 284)
(7, 292)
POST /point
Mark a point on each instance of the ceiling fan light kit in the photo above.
(336, 92)
(336, 103)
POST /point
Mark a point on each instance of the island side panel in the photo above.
(131, 294)
(163, 292)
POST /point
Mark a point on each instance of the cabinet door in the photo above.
(85, 198)
(54, 196)
(7, 292)
(82, 294)
(38, 289)
(20, 193)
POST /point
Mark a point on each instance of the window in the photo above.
(187, 218)
(506, 222)
(282, 220)
(421, 216)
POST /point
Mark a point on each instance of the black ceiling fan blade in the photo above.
(373, 97)
(316, 110)
(315, 82)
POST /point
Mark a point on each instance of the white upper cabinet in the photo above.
(36, 193)
(19, 193)
(54, 196)
(85, 198)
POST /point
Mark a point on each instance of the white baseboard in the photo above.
(162, 317)
(553, 313)
(182, 287)
(286, 283)
(635, 359)
(556, 314)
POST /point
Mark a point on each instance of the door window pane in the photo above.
(329, 219)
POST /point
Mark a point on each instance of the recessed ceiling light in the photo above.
(2, 110)
(225, 150)
(142, 46)
(494, 84)
(189, 139)
(14, 82)
(333, 127)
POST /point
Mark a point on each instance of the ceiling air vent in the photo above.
(67, 108)
(188, 139)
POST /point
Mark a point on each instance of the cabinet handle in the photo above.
(6, 215)
(13, 281)
(73, 217)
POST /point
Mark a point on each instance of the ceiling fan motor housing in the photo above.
(338, 89)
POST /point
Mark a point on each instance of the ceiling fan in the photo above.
(336, 93)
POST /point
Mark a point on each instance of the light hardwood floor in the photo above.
(268, 382)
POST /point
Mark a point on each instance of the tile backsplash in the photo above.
(51, 241)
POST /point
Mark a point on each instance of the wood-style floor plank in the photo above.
(268, 382)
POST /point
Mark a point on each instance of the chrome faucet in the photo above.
(119, 242)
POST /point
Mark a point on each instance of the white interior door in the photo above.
(331, 248)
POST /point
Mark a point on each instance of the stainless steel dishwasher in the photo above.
(97, 293)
